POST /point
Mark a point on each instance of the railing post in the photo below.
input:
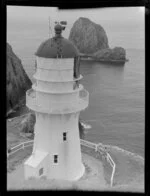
(96, 148)
(22, 146)
(113, 166)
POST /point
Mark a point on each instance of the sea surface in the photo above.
(116, 111)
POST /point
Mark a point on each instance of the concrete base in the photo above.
(76, 176)
(39, 164)
(93, 180)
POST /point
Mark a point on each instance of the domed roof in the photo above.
(58, 27)
(57, 47)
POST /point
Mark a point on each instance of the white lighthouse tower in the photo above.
(57, 99)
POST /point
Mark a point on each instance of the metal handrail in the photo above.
(97, 147)
(113, 166)
(22, 146)
(88, 144)
(102, 148)
(83, 94)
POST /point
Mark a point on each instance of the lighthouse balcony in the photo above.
(57, 107)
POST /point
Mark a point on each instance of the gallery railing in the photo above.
(55, 107)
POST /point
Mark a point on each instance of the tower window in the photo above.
(40, 171)
(64, 136)
(55, 158)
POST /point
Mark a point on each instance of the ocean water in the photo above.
(116, 93)
(116, 107)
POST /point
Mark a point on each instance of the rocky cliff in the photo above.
(17, 79)
(117, 53)
(88, 36)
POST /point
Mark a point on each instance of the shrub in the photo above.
(27, 124)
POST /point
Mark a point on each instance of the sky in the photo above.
(119, 15)
(28, 26)
(42, 13)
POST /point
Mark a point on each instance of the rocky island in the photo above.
(88, 37)
(92, 42)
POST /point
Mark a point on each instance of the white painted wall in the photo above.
(49, 127)
(55, 86)
(46, 99)
(54, 75)
(58, 107)
(54, 69)
(29, 172)
(49, 130)
(54, 63)
(34, 171)
(49, 137)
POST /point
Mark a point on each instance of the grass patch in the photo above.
(17, 158)
(106, 166)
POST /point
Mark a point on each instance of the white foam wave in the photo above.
(86, 126)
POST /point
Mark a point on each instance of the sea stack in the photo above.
(92, 41)
(57, 99)
(88, 36)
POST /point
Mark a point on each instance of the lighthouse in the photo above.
(57, 98)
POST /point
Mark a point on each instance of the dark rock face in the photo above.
(117, 53)
(17, 79)
(88, 36)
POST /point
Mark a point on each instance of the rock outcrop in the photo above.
(117, 53)
(88, 36)
(17, 79)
